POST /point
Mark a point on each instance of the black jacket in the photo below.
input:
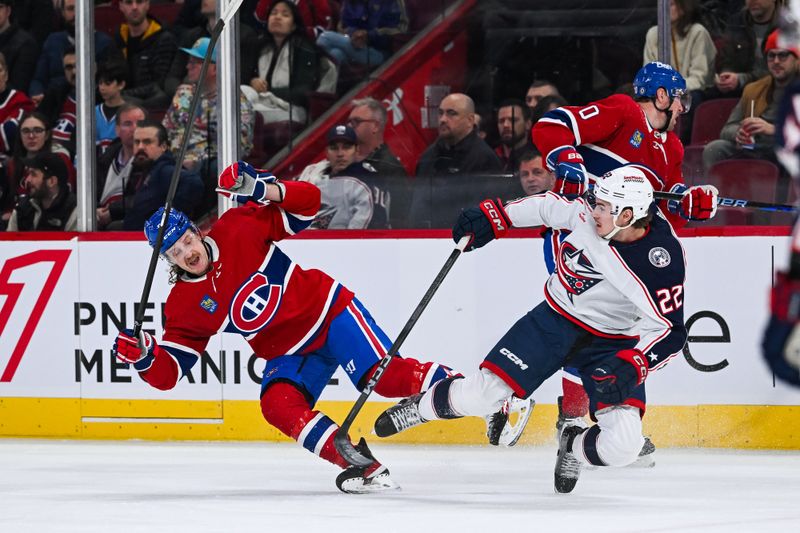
(737, 52)
(148, 63)
(21, 52)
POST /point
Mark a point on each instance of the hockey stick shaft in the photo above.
(732, 202)
(173, 184)
(341, 440)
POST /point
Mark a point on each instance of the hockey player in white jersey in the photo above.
(613, 309)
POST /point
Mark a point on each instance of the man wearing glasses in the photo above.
(750, 130)
(368, 120)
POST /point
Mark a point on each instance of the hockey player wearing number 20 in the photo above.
(303, 322)
(613, 309)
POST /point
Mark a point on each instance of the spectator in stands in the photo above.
(316, 15)
(457, 151)
(37, 17)
(354, 194)
(151, 173)
(60, 106)
(49, 72)
(368, 120)
(201, 152)
(13, 104)
(48, 203)
(693, 54)
(534, 178)
(149, 49)
(111, 80)
(248, 46)
(288, 67)
(365, 31)
(114, 167)
(740, 59)
(19, 48)
(750, 130)
(539, 89)
(34, 137)
(514, 127)
(548, 103)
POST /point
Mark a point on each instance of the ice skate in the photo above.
(399, 417)
(362, 480)
(646, 457)
(502, 428)
(568, 467)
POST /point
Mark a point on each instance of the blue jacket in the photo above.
(381, 19)
(153, 192)
(50, 67)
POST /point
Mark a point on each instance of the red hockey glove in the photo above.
(483, 223)
(567, 164)
(615, 379)
(126, 349)
(242, 183)
(698, 202)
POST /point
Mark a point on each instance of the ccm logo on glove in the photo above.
(493, 213)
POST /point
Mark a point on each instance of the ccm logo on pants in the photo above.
(513, 358)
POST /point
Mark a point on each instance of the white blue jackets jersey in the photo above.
(613, 289)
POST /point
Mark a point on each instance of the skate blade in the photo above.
(519, 413)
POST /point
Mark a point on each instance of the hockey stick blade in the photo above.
(341, 440)
(733, 202)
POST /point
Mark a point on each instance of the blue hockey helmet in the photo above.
(177, 224)
(654, 75)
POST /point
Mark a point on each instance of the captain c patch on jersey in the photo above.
(575, 271)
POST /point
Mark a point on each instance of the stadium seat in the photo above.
(748, 179)
(107, 19)
(709, 117)
(166, 13)
(693, 165)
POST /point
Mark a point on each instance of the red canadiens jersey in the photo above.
(612, 132)
(253, 288)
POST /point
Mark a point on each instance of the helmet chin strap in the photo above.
(667, 111)
(617, 229)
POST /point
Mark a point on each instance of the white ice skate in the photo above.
(505, 427)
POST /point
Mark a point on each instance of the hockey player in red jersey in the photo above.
(613, 309)
(581, 143)
(302, 321)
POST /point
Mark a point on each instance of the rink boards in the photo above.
(63, 298)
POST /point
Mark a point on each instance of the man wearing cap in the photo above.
(48, 204)
(201, 152)
(750, 130)
(354, 194)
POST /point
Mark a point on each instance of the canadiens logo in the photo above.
(659, 257)
(575, 271)
(208, 304)
(254, 304)
(636, 139)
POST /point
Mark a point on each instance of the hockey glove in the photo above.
(126, 349)
(781, 344)
(615, 379)
(242, 183)
(567, 164)
(483, 223)
(698, 202)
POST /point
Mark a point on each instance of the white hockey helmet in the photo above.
(623, 187)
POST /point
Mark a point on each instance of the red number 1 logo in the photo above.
(12, 292)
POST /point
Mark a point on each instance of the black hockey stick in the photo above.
(733, 202)
(233, 7)
(341, 440)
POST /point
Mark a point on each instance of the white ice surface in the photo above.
(86, 487)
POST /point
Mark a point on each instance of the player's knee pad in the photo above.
(479, 394)
(405, 376)
(617, 437)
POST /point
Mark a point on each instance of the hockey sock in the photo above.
(576, 402)
(405, 377)
(480, 394)
(286, 408)
(615, 440)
